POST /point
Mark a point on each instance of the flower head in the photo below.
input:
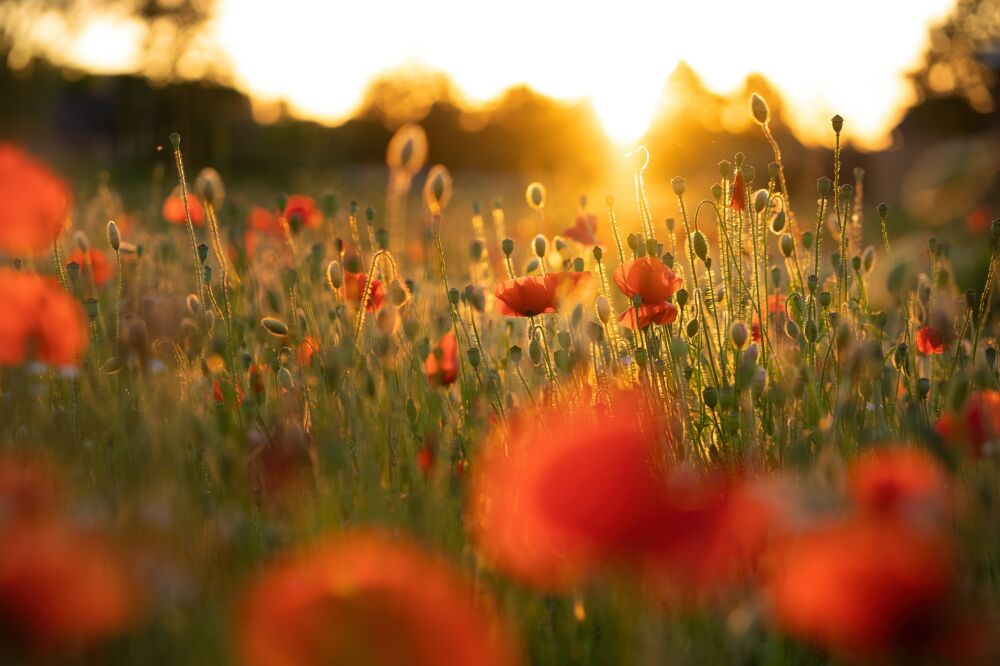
(38, 320)
(441, 364)
(738, 200)
(900, 482)
(645, 315)
(584, 229)
(94, 264)
(534, 295)
(34, 203)
(648, 278)
(302, 211)
(930, 341)
(173, 209)
(354, 285)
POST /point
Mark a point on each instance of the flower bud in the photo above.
(603, 309)
(535, 196)
(792, 329)
(717, 192)
(773, 171)
(738, 334)
(473, 354)
(758, 107)
(778, 223)
(540, 246)
(209, 188)
(437, 189)
(692, 328)
(598, 253)
(285, 379)
(274, 326)
(334, 275)
(837, 122)
(700, 245)
(787, 245)
(812, 332)
(535, 351)
(823, 186)
(114, 238)
(679, 185)
(507, 245)
(923, 387)
(681, 297)
(760, 199)
(825, 298)
(868, 258)
(710, 395)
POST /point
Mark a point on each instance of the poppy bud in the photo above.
(535, 196)
(274, 326)
(773, 170)
(437, 189)
(856, 264)
(759, 382)
(679, 185)
(991, 357)
(454, 296)
(209, 188)
(114, 238)
(598, 253)
(792, 329)
(786, 244)
(507, 245)
(868, 258)
(823, 185)
(812, 332)
(540, 246)
(717, 192)
(382, 238)
(739, 159)
(595, 332)
(334, 275)
(285, 379)
(738, 334)
(692, 328)
(603, 309)
(923, 387)
(667, 259)
(751, 354)
(837, 122)
(535, 351)
(758, 107)
(760, 199)
(473, 354)
(778, 223)
(681, 297)
(562, 359)
(175, 140)
(710, 395)
(807, 240)
(700, 245)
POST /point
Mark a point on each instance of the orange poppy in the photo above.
(264, 221)
(861, 587)
(900, 482)
(976, 425)
(173, 209)
(367, 598)
(534, 295)
(38, 319)
(776, 304)
(738, 199)
(930, 341)
(354, 285)
(584, 229)
(648, 278)
(95, 264)
(664, 313)
(301, 210)
(307, 348)
(441, 364)
(61, 589)
(34, 203)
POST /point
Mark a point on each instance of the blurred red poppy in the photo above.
(60, 589)
(867, 588)
(930, 341)
(738, 200)
(94, 264)
(173, 209)
(38, 320)
(648, 278)
(425, 458)
(354, 286)
(301, 210)
(584, 229)
(441, 364)
(367, 598)
(976, 426)
(900, 482)
(534, 295)
(34, 203)
(307, 348)
(776, 304)
(264, 221)
(664, 313)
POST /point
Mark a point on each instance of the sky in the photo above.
(848, 57)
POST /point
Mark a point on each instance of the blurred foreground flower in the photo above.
(354, 286)
(441, 364)
(94, 264)
(899, 482)
(534, 295)
(976, 426)
(173, 209)
(367, 598)
(34, 203)
(38, 320)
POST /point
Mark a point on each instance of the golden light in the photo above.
(850, 57)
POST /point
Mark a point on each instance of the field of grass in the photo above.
(306, 431)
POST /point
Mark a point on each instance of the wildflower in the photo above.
(306, 349)
(930, 341)
(441, 364)
(584, 229)
(354, 284)
(60, 589)
(302, 211)
(37, 318)
(425, 457)
(776, 304)
(95, 265)
(900, 482)
(262, 220)
(534, 295)
(648, 278)
(664, 313)
(867, 588)
(976, 426)
(738, 200)
(34, 203)
(173, 209)
(367, 598)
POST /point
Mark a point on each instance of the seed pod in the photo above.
(856, 264)
(991, 357)
(679, 185)
(776, 276)
(274, 326)
(93, 307)
(812, 283)
(758, 107)
(717, 192)
(807, 240)
(710, 395)
(540, 246)
(507, 245)
(700, 245)
(578, 264)
(837, 122)
(73, 272)
(668, 260)
(598, 253)
(823, 186)
(725, 169)
(514, 355)
(603, 309)
(535, 196)
(773, 170)
(923, 387)
(748, 173)
(825, 298)
(595, 332)
(681, 297)
(787, 245)
(738, 334)
(114, 237)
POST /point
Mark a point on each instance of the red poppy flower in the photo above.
(367, 598)
(307, 348)
(301, 210)
(664, 313)
(173, 209)
(584, 229)
(862, 587)
(976, 426)
(256, 379)
(900, 482)
(649, 278)
(441, 364)
(37, 317)
(95, 264)
(930, 341)
(776, 304)
(264, 221)
(34, 203)
(738, 200)
(60, 589)
(534, 295)
(354, 285)
(425, 458)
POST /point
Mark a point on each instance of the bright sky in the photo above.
(846, 57)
